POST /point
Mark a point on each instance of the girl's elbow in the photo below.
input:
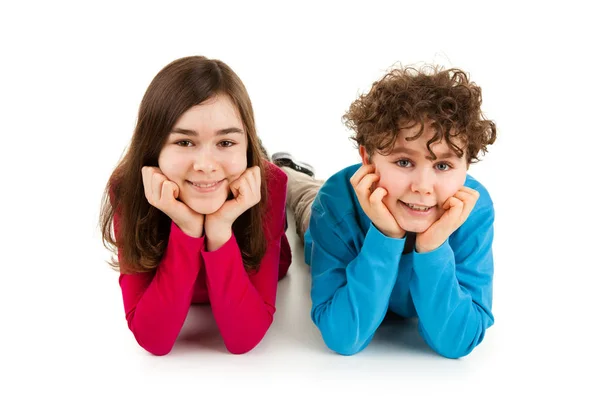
(156, 349)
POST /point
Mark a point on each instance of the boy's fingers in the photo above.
(360, 174)
(464, 196)
(455, 207)
(377, 196)
(470, 191)
(364, 186)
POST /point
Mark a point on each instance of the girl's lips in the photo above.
(206, 187)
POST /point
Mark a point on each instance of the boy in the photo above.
(407, 230)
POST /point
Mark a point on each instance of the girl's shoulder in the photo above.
(275, 177)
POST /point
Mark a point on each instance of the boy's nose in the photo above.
(422, 182)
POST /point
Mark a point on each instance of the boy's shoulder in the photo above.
(337, 197)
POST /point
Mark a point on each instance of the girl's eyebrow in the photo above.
(191, 132)
(227, 131)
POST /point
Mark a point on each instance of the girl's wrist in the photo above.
(195, 232)
(214, 241)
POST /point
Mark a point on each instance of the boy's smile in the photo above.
(418, 186)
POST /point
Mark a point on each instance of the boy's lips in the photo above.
(417, 206)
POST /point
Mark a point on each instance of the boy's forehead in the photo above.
(418, 146)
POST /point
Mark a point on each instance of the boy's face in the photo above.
(417, 186)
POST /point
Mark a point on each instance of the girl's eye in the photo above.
(404, 163)
(184, 143)
(443, 166)
(226, 143)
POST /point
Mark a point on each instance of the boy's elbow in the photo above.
(453, 354)
(336, 340)
(344, 346)
(456, 351)
(345, 350)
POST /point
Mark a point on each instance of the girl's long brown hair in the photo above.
(142, 229)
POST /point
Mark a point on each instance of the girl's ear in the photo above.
(364, 155)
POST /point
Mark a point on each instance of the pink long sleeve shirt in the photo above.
(243, 304)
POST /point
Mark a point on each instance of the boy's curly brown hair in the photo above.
(408, 96)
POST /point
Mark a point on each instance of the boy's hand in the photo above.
(246, 194)
(371, 201)
(458, 208)
(163, 194)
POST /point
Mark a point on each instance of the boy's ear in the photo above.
(364, 155)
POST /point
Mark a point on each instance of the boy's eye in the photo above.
(184, 143)
(443, 166)
(404, 163)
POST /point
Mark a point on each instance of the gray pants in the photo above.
(301, 192)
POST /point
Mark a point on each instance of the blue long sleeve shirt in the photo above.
(358, 274)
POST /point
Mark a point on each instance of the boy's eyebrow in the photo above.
(447, 155)
(190, 132)
(413, 153)
(400, 149)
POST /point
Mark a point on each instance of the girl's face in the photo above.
(418, 186)
(204, 152)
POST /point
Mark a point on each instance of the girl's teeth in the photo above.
(207, 185)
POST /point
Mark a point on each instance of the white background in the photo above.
(72, 76)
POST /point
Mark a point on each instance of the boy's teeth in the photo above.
(417, 208)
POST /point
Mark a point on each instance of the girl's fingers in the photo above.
(157, 181)
(249, 183)
(147, 182)
(169, 191)
(235, 187)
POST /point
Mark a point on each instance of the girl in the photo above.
(188, 204)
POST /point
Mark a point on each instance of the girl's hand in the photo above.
(372, 201)
(246, 194)
(163, 194)
(458, 208)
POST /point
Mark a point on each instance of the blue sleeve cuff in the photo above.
(439, 257)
